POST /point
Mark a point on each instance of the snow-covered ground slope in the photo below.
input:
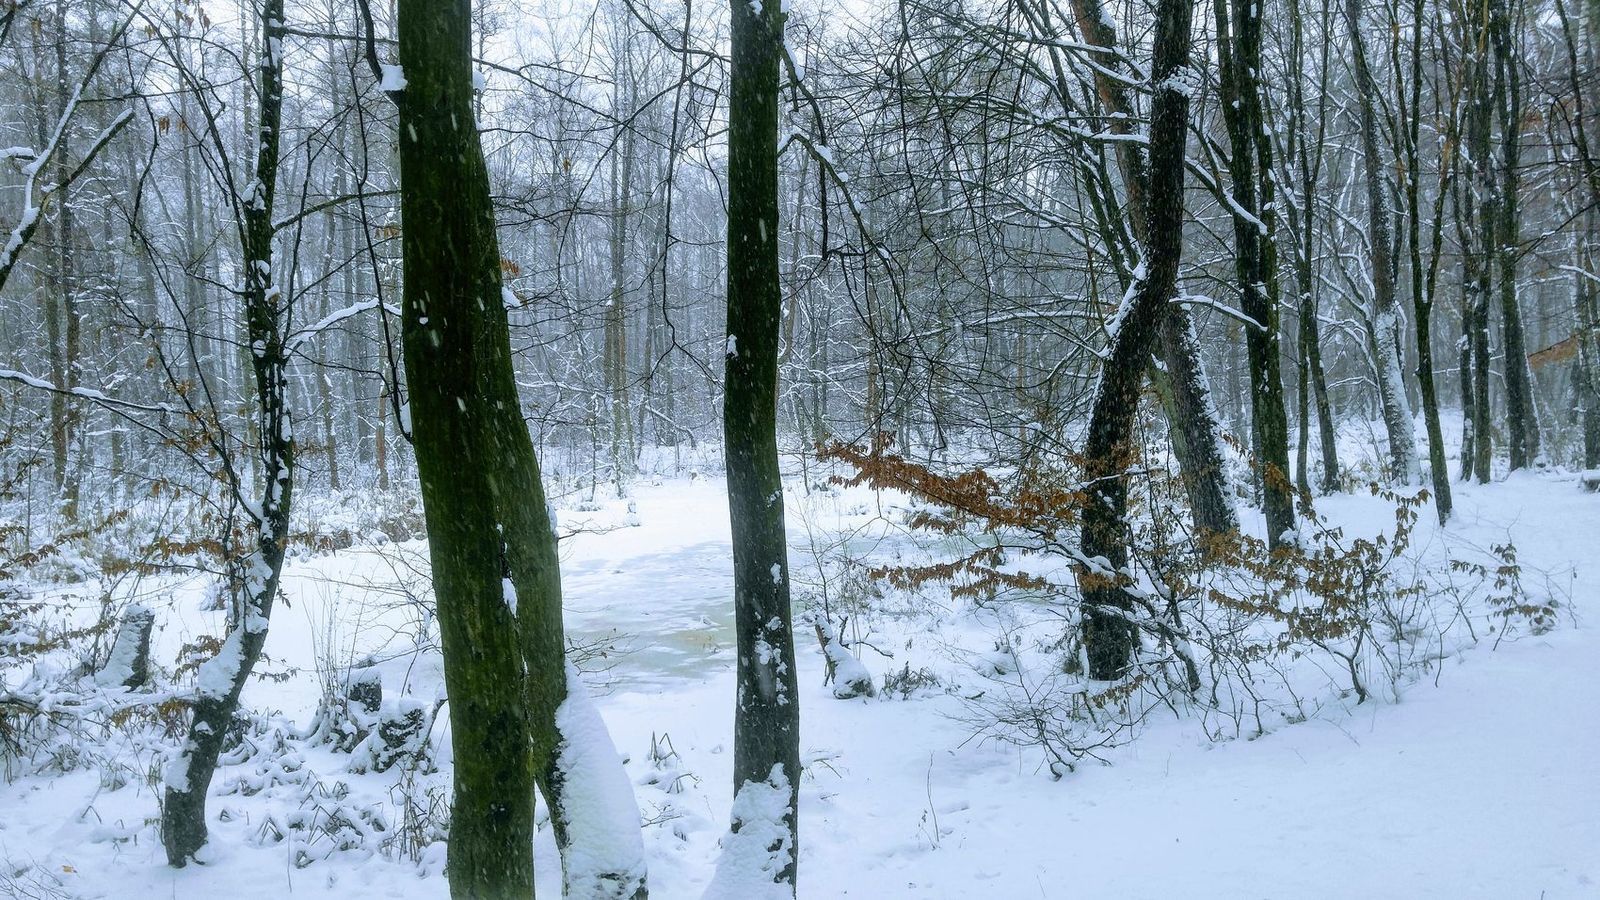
(1477, 780)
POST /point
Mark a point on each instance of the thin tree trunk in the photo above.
(616, 335)
(67, 284)
(1386, 317)
(1478, 224)
(1255, 253)
(1522, 423)
(1587, 372)
(1422, 285)
(253, 579)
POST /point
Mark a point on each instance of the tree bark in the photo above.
(1109, 637)
(767, 721)
(497, 578)
(1191, 412)
(1255, 251)
(452, 316)
(1522, 421)
(1386, 313)
(1477, 223)
(1305, 154)
(1423, 285)
(253, 579)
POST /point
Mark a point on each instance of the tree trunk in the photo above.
(1422, 286)
(66, 272)
(253, 579)
(767, 721)
(1587, 373)
(1386, 313)
(616, 335)
(492, 543)
(1255, 253)
(1191, 411)
(451, 297)
(1108, 636)
(1478, 224)
(1305, 154)
(1522, 422)
(1194, 416)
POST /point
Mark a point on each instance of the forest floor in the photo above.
(1477, 778)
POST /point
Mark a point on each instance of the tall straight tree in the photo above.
(1476, 223)
(1522, 420)
(1108, 635)
(767, 717)
(1303, 160)
(1255, 252)
(452, 315)
(1424, 277)
(1387, 357)
(496, 575)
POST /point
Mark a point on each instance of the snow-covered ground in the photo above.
(1478, 780)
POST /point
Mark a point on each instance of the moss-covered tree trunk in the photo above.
(1109, 637)
(1255, 250)
(460, 388)
(497, 578)
(767, 717)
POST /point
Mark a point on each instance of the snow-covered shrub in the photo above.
(909, 682)
(422, 800)
(1325, 594)
(1229, 629)
(667, 772)
(348, 709)
(1510, 606)
(400, 735)
(31, 881)
(327, 821)
(325, 523)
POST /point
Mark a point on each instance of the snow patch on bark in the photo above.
(1396, 405)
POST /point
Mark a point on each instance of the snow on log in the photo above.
(129, 663)
(849, 676)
